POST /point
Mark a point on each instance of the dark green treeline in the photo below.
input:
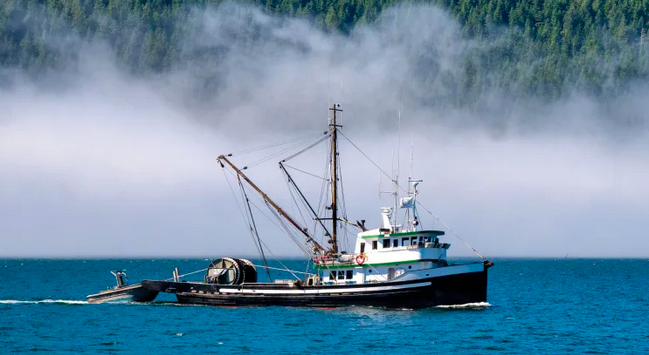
(540, 47)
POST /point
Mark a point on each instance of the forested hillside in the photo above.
(596, 46)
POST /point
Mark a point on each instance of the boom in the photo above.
(309, 239)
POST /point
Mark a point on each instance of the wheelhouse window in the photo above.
(405, 242)
(362, 247)
(413, 241)
(395, 243)
(375, 244)
(332, 275)
(386, 243)
(350, 274)
(341, 275)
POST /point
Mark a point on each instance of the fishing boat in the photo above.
(396, 265)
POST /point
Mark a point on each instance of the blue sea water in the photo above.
(534, 306)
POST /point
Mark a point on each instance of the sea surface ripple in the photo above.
(550, 306)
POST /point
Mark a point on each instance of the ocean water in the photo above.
(536, 306)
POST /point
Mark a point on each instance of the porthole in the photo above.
(409, 266)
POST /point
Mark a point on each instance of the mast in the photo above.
(309, 239)
(333, 128)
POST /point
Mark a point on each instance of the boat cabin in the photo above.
(386, 254)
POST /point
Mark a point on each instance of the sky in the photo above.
(109, 164)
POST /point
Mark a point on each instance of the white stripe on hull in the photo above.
(421, 274)
(326, 291)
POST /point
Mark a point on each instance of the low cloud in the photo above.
(94, 158)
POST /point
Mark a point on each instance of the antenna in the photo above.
(412, 143)
(410, 173)
(395, 182)
(391, 192)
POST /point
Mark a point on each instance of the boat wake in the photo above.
(475, 305)
(42, 301)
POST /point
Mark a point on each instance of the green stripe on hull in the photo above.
(404, 234)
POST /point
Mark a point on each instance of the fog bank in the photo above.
(97, 161)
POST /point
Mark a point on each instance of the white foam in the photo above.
(467, 305)
(42, 301)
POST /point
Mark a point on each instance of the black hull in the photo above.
(422, 293)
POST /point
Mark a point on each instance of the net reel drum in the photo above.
(231, 271)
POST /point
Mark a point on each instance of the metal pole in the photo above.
(333, 127)
(302, 230)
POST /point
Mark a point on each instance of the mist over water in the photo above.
(97, 160)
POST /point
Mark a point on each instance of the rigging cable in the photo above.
(450, 230)
(418, 203)
(271, 145)
(305, 249)
(292, 193)
(289, 270)
(285, 150)
(325, 137)
(247, 218)
(343, 205)
(273, 254)
(280, 262)
(324, 190)
(280, 226)
(268, 249)
(305, 203)
(305, 172)
(295, 239)
(236, 200)
(242, 215)
(367, 157)
(253, 228)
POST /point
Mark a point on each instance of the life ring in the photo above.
(361, 259)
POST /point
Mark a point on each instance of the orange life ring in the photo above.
(360, 259)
